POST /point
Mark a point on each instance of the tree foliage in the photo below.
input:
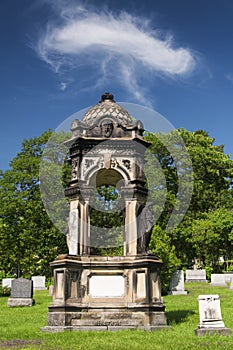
(28, 239)
(205, 233)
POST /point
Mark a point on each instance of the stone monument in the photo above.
(176, 286)
(21, 293)
(107, 292)
(210, 316)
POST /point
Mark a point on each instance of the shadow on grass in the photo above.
(175, 317)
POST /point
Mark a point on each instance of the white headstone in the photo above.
(196, 276)
(177, 283)
(219, 279)
(6, 282)
(210, 315)
(38, 282)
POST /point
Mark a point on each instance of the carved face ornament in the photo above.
(107, 128)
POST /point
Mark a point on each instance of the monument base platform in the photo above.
(106, 293)
(55, 329)
(212, 331)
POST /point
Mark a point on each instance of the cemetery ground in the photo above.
(20, 327)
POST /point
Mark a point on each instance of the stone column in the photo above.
(130, 244)
(74, 229)
(84, 229)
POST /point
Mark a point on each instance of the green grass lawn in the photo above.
(20, 327)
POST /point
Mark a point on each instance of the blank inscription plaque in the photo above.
(106, 286)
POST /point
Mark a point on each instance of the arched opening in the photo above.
(107, 214)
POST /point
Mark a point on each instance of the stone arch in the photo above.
(106, 176)
(107, 199)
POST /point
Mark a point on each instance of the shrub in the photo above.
(5, 291)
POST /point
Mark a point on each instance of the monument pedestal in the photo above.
(106, 293)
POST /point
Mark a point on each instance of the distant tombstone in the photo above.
(210, 316)
(231, 285)
(21, 293)
(38, 282)
(6, 282)
(219, 279)
(196, 276)
(177, 283)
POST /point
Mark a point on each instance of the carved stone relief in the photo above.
(74, 172)
(106, 128)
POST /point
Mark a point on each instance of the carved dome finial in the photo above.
(107, 96)
(107, 107)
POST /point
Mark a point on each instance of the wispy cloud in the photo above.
(85, 36)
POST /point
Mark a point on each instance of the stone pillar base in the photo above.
(106, 293)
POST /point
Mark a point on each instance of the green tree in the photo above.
(161, 245)
(29, 240)
(212, 181)
(212, 237)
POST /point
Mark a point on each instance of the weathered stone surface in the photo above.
(196, 276)
(38, 282)
(101, 328)
(21, 288)
(210, 316)
(212, 331)
(16, 302)
(21, 293)
(176, 286)
(78, 303)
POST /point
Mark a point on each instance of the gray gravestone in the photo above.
(177, 283)
(6, 282)
(196, 276)
(210, 316)
(38, 282)
(21, 293)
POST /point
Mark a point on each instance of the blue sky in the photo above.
(58, 57)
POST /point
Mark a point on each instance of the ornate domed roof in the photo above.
(107, 107)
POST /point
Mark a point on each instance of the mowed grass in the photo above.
(20, 327)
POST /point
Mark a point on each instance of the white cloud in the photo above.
(63, 86)
(101, 39)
